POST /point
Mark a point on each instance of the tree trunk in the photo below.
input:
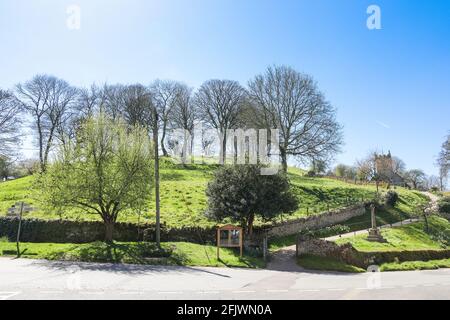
(251, 218)
(109, 230)
(41, 144)
(283, 159)
(235, 146)
(223, 156)
(427, 228)
(163, 149)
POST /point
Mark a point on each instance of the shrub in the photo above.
(4, 239)
(391, 198)
(444, 205)
(241, 193)
(311, 173)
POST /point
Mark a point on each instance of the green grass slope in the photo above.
(183, 199)
(408, 237)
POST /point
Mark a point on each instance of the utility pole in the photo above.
(156, 146)
(18, 230)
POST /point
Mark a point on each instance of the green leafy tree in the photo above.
(340, 170)
(107, 169)
(241, 193)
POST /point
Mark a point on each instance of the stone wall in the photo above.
(316, 221)
(37, 230)
(347, 254)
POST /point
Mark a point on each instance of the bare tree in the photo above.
(207, 142)
(431, 182)
(416, 177)
(398, 166)
(184, 115)
(164, 93)
(291, 102)
(367, 169)
(137, 105)
(219, 104)
(443, 162)
(112, 100)
(89, 101)
(48, 100)
(10, 122)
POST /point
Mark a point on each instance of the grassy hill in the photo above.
(407, 237)
(183, 199)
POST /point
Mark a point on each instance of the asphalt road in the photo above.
(40, 279)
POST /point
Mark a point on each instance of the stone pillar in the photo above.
(372, 214)
(374, 232)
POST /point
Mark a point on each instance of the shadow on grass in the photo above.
(171, 176)
(138, 253)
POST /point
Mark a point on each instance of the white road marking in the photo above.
(429, 285)
(131, 292)
(52, 292)
(336, 289)
(94, 292)
(4, 295)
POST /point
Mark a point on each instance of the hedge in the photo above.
(63, 231)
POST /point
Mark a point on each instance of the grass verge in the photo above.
(415, 265)
(171, 253)
(326, 264)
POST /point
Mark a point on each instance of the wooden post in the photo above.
(18, 230)
(240, 242)
(265, 247)
(218, 242)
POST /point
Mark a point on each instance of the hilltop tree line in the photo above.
(280, 97)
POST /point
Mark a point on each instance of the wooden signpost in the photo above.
(229, 236)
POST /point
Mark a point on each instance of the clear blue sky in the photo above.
(391, 86)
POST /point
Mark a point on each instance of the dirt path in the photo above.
(433, 205)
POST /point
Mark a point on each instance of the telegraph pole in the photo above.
(156, 146)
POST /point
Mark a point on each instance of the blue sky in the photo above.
(390, 86)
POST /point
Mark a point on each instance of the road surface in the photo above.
(40, 279)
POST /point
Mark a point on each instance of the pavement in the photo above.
(41, 279)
